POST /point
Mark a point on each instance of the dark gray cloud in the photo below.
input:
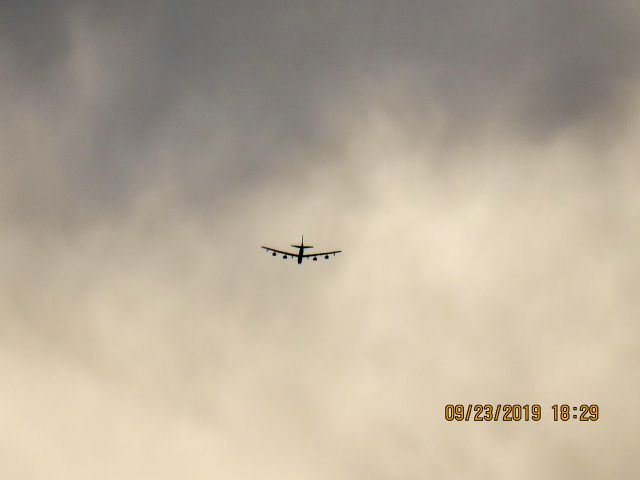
(34, 37)
(272, 58)
(262, 81)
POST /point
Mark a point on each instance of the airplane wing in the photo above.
(269, 249)
(319, 254)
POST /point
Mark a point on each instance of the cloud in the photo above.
(236, 90)
(474, 160)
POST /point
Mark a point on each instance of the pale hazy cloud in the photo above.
(476, 161)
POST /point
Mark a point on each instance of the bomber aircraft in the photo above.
(301, 255)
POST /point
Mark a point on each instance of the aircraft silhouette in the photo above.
(301, 255)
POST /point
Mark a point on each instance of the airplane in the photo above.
(301, 255)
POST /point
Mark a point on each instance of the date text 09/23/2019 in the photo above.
(519, 412)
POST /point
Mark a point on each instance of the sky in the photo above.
(475, 161)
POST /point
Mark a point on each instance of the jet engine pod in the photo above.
(315, 259)
(284, 256)
(273, 254)
(326, 257)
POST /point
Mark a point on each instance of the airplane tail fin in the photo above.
(302, 245)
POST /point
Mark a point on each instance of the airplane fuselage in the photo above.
(301, 248)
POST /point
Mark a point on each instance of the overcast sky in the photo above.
(476, 161)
